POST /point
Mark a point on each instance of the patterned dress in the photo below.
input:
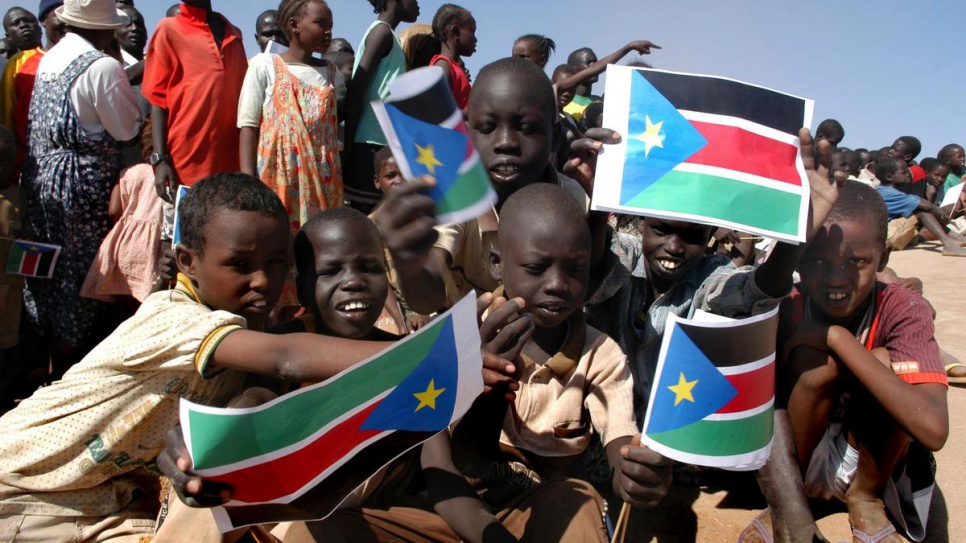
(298, 151)
(68, 177)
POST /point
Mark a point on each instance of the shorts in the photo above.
(908, 492)
(902, 231)
(133, 524)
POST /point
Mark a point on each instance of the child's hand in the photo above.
(415, 321)
(825, 191)
(175, 463)
(583, 163)
(406, 219)
(643, 476)
(503, 332)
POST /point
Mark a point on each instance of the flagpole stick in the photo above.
(620, 530)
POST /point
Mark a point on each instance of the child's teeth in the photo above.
(353, 306)
(836, 296)
(669, 264)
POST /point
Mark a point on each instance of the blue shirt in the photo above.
(898, 203)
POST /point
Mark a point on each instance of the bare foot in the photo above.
(869, 518)
(952, 248)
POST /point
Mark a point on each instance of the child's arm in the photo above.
(454, 499)
(643, 47)
(641, 476)
(920, 409)
(114, 208)
(377, 46)
(250, 102)
(165, 178)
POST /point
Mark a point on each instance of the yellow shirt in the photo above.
(8, 94)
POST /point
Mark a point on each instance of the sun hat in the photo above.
(46, 6)
(92, 14)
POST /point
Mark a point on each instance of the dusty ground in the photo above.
(706, 513)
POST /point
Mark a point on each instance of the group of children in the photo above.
(570, 332)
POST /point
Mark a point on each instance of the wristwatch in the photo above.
(156, 158)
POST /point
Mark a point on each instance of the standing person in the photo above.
(268, 29)
(379, 61)
(193, 77)
(23, 29)
(455, 28)
(287, 117)
(81, 108)
(132, 39)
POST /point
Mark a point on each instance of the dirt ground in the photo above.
(705, 512)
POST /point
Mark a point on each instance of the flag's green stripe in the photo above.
(14, 258)
(721, 437)
(299, 416)
(468, 189)
(708, 195)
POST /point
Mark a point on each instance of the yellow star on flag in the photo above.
(427, 157)
(682, 390)
(652, 136)
(428, 398)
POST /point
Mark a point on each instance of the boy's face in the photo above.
(350, 283)
(513, 131)
(956, 160)
(671, 249)
(585, 60)
(838, 163)
(901, 178)
(839, 269)
(563, 97)
(901, 151)
(548, 266)
(243, 266)
(937, 176)
(23, 28)
(267, 29)
(388, 175)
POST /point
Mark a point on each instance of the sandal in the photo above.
(756, 528)
(874, 538)
(955, 380)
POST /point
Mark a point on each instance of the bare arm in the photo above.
(377, 46)
(165, 178)
(248, 150)
(643, 47)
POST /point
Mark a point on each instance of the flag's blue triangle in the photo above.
(424, 400)
(430, 149)
(658, 138)
(709, 390)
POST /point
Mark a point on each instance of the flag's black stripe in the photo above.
(433, 106)
(326, 496)
(735, 346)
(44, 262)
(723, 97)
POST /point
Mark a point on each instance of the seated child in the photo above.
(78, 458)
(936, 173)
(955, 157)
(574, 383)
(906, 212)
(867, 396)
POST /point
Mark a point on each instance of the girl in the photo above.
(455, 28)
(379, 61)
(287, 116)
(535, 48)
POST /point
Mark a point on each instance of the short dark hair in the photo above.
(223, 192)
(882, 154)
(341, 45)
(831, 129)
(303, 253)
(574, 57)
(912, 143)
(446, 15)
(947, 150)
(930, 164)
(884, 167)
(538, 202)
(564, 69)
(381, 157)
(535, 81)
(544, 45)
(378, 6)
(860, 202)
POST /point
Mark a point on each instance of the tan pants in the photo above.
(902, 231)
(560, 510)
(133, 524)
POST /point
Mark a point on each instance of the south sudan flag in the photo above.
(712, 402)
(32, 259)
(302, 454)
(705, 149)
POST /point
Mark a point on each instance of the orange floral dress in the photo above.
(298, 151)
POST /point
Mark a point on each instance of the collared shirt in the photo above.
(898, 203)
(186, 73)
(619, 309)
(866, 176)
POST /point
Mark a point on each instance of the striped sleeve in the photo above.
(208, 346)
(906, 330)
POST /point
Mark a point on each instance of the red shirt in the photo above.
(459, 83)
(917, 173)
(199, 84)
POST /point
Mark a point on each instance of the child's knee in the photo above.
(814, 370)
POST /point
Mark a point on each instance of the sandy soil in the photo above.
(717, 510)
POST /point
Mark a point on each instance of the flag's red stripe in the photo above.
(743, 151)
(285, 475)
(754, 389)
(28, 266)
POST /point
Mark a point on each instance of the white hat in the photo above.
(92, 14)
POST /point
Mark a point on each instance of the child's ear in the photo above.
(186, 260)
(496, 268)
(884, 260)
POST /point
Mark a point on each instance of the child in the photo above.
(193, 75)
(575, 383)
(402, 318)
(907, 211)
(906, 149)
(859, 354)
(830, 130)
(588, 68)
(13, 225)
(288, 122)
(955, 157)
(568, 128)
(378, 62)
(126, 263)
(936, 173)
(80, 454)
(535, 48)
(455, 29)
(511, 118)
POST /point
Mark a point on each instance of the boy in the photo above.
(936, 173)
(906, 212)
(866, 388)
(77, 459)
(574, 379)
(954, 156)
(906, 149)
(568, 128)
(193, 75)
(830, 130)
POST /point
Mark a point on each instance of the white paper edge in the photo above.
(952, 195)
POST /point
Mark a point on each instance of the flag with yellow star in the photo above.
(712, 401)
(704, 149)
(428, 136)
(309, 449)
(32, 259)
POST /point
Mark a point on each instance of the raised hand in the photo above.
(582, 165)
(642, 46)
(824, 191)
